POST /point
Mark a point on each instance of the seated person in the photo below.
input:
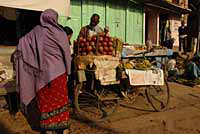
(192, 69)
(171, 67)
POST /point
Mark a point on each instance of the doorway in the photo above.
(164, 28)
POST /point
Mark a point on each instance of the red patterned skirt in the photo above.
(53, 103)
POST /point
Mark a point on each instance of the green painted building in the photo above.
(124, 18)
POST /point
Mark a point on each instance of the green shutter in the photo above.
(115, 18)
(134, 24)
(124, 22)
(90, 7)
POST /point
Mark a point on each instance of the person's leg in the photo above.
(11, 99)
(192, 71)
(66, 131)
(70, 84)
(42, 132)
(180, 43)
(127, 85)
(196, 71)
(184, 45)
(59, 132)
(123, 87)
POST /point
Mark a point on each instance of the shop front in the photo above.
(19, 17)
(125, 19)
(162, 21)
(16, 19)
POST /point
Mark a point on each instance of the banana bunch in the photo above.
(126, 65)
(147, 62)
(143, 64)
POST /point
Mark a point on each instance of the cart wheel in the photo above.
(130, 97)
(158, 96)
(93, 106)
(108, 102)
(86, 103)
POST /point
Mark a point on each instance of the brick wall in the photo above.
(175, 23)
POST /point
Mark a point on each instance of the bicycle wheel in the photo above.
(94, 105)
(108, 102)
(86, 103)
(158, 96)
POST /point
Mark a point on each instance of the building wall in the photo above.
(135, 24)
(175, 24)
(116, 18)
(176, 21)
(8, 13)
(75, 20)
(124, 19)
(182, 3)
(153, 27)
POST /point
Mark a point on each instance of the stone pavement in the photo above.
(182, 117)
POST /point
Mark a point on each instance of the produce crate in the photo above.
(98, 45)
(101, 61)
(82, 61)
(105, 70)
(106, 76)
(106, 61)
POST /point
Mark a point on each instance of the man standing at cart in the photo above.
(182, 36)
(92, 29)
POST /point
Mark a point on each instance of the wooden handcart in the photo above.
(97, 92)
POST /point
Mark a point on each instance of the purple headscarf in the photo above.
(41, 55)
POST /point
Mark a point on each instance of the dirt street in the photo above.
(182, 117)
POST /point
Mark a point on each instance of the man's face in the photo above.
(94, 21)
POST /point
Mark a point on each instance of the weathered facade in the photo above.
(194, 26)
(162, 12)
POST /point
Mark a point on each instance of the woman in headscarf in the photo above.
(43, 63)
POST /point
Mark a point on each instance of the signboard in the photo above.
(145, 77)
(61, 6)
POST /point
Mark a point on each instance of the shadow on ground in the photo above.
(97, 125)
(3, 129)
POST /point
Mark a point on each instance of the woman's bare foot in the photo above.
(66, 131)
